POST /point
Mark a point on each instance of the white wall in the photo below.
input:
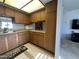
(67, 23)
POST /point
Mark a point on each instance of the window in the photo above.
(8, 25)
(6, 22)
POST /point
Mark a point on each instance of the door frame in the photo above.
(58, 29)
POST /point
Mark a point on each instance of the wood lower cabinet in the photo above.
(2, 44)
(23, 37)
(34, 38)
(11, 41)
(41, 39)
(37, 38)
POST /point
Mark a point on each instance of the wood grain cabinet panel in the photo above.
(38, 16)
(22, 18)
(34, 17)
(43, 15)
(9, 12)
(50, 32)
(11, 40)
(33, 38)
(26, 19)
(50, 26)
(2, 44)
(2, 10)
(18, 17)
(23, 37)
(51, 6)
(37, 38)
(41, 39)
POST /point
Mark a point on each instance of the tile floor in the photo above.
(35, 52)
(69, 50)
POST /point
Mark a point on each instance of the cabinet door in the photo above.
(22, 18)
(18, 17)
(37, 38)
(52, 6)
(2, 10)
(43, 15)
(26, 19)
(2, 44)
(34, 17)
(38, 16)
(50, 26)
(34, 38)
(9, 12)
(41, 39)
(11, 40)
(50, 31)
(23, 37)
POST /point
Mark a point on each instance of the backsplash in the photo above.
(31, 26)
(18, 26)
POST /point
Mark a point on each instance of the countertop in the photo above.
(40, 31)
(18, 31)
(15, 32)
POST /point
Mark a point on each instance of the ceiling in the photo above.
(45, 1)
(28, 6)
(71, 4)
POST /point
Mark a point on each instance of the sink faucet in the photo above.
(5, 30)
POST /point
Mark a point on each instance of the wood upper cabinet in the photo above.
(11, 41)
(35, 17)
(23, 37)
(2, 44)
(43, 15)
(2, 10)
(38, 16)
(51, 6)
(21, 18)
(9, 12)
(26, 19)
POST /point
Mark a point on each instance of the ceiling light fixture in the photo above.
(1, 0)
(33, 6)
(17, 3)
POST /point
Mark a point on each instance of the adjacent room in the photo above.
(69, 43)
